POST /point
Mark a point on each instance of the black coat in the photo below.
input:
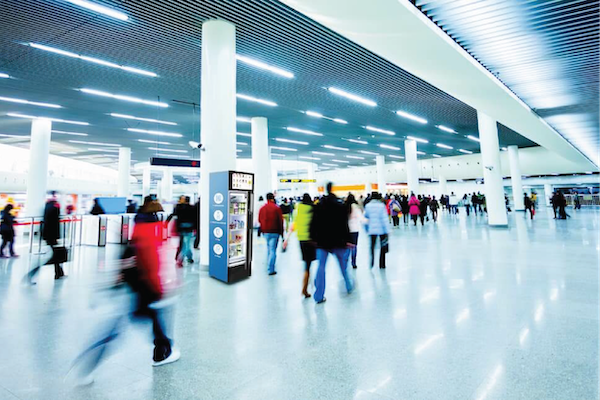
(51, 231)
(329, 225)
(186, 217)
(7, 229)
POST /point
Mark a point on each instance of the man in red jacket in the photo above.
(270, 219)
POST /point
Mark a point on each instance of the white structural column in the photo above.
(412, 167)
(381, 182)
(261, 161)
(146, 173)
(443, 185)
(217, 121)
(37, 178)
(548, 190)
(167, 186)
(311, 174)
(515, 178)
(274, 179)
(124, 171)
(492, 170)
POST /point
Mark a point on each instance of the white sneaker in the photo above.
(174, 356)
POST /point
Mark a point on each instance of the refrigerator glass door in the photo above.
(238, 228)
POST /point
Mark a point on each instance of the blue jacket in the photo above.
(376, 213)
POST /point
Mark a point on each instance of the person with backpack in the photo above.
(395, 210)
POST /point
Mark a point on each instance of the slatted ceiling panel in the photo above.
(165, 37)
(545, 51)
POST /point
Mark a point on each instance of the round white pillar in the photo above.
(412, 167)
(492, 170)
(167, 186)
(274, 180)
(261, 160)
(37, 177)
(548, 190)
(515, 178)
(443, 185)
(146, 173)
(312, 187)
(124, 171)
(381, 182)
(218, 117)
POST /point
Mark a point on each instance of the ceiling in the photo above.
(544, 51)
(164, 37)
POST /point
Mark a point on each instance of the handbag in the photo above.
(59, 255)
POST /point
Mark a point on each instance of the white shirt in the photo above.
(355, 218)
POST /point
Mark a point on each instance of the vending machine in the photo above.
(231, 218)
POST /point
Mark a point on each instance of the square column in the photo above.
(515, 178)
(492, 170)
(412, 167)
(381, 182)
(146, 173)
(124, 171)
(37, 177)
(261, 160)
(443, 185)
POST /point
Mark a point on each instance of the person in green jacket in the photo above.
(302, 219)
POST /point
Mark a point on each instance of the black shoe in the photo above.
(272, 273)
(354, 266)
(382, 267)
(322, 301)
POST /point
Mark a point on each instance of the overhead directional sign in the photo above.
(298, 180)
(174, 162)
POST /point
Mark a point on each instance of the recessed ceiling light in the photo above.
(95, 143)
(65, 121)
(262, 65)
(368, 152)
(93, 60)
(314, 114)
(291, 141)
(157, 121)
(109, 12)
(355, 157)
(70, 133)
(256, 100)
(330, 147)
(167, 150)
(444, 146)
(124, 98)
(416, 139)
(152, 141)
(351, 96)
(473, 138)
(411, 117)
(283, 148)
(292, 129)
(321, 153)
(30, 103)
(4, 76)
(309, 158)
(465, 151)
(372, 128)
(340, 121)
(387, 146)
(394, 156)
(158, 133)
(446, 129)
(358, 141)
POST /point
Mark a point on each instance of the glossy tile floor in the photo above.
(462, 312)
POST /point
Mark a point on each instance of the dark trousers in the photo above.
(468, 209)
(422, 218)
(414, 218)
(58, 271)
(197, 240)
(11, 248)
(383, 243)
(554, 208)
(405, 217)
(354, 241)
(434, 214)
(396, 220)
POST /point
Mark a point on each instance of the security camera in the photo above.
(195, 145)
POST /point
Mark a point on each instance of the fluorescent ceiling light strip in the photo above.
(158, 133)
(171, 155)
(465, 151)
(411, 117)
(436, 155)
(330, 165)
(107, 150)
(475, 138)
(421, 153)
(387, 146)
(70, 133)
(93, 60)
(124, 98)
(31, 103)
(243, 119)
(292, 129)
(244, 134)
(372, 128)
(314, 114)
(95, 143)
(309, 158)
(167, 150)
(504, 149)
(341, 161)
(283, 148)
(239, 151)
(368, 152)
(291, 141)
(330, 147)
(4, 76)
(444, 146)
(65, 121)
(256, 100)
(14, 136)
(351, 96)
(277, 155)
(109, 12)
(358, 141)
(393, 156)
(321, 153)
(157, 121)
(241, 144)
(262, 65)
(355, 157)
(445, 129)
(340, 121)
(416, 139)
(152, 141)
(67, 152)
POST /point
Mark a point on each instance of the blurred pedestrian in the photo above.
(270, 218)
(7, 231)
(97, 208)
(355, 219)
(414, 208)
(186, 217)
(395, 210)
(434, 206)
(301, 225)
(377, 226)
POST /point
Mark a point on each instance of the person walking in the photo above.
(377, 226)
(474, 202)
(197, 224)
(434, 205)
(422, 208)
(405, 209)
(355, 219)
(302, 220)
(562, 204)
(453, 203)
(395, 210)
(529, 205)
(467, 203)
(329, 229)
(414, 208)
(286, 211)
(577, 201)
(186, 217)
(270, 218)
(7, 231)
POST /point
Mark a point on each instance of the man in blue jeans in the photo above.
(270, 219)
(329, 229)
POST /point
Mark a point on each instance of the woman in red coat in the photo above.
(414, 208)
